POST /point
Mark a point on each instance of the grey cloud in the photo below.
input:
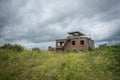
(45, 21)
(8, 12)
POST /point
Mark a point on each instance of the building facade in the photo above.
(74, 42)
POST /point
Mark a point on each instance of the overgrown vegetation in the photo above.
(17, 63)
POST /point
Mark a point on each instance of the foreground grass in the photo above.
(43, 65)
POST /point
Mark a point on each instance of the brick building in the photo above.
(76, 41)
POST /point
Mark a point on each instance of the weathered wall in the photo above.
(77, 45)
(67, 43)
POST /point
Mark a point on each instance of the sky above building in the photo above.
(38, 23)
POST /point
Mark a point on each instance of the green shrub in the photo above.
(36, 49)
(16, 48)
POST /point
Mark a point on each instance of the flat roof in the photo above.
(76, 33)
(60, 39)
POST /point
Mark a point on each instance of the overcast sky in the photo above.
(38, 23)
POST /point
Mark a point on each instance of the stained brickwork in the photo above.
(75, 42)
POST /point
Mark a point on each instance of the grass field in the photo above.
(17, 63)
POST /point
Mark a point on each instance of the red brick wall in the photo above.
(77, 45)
(88, 44)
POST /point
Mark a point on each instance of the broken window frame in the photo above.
(60, 44)
(73, 42)
(82, 42)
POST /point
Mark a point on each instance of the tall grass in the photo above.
(99, 64)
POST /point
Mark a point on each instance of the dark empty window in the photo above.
(82, 42)
(73, 42)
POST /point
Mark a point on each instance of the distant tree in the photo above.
(16, 48)
(103, 46)
(35, 49)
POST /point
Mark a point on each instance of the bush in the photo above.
(36, 49)
(116, 60)
(15, 48)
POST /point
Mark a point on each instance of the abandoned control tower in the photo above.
(76, 41)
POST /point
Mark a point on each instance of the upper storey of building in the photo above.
(75, 34)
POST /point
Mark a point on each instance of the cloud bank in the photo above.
(38, 23)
